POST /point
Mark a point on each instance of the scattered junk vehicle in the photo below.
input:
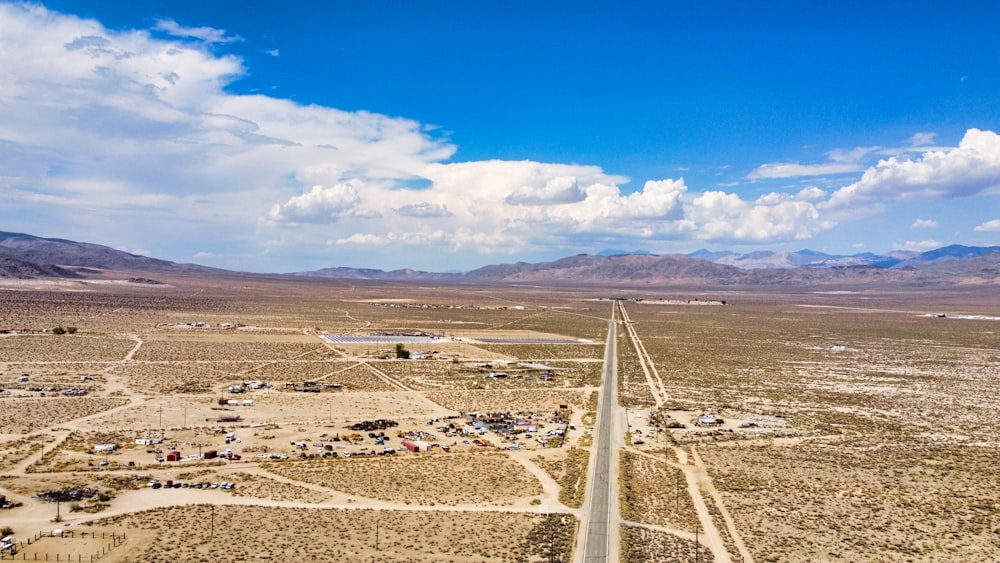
(370, 425)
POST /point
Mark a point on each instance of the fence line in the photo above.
(116, 540)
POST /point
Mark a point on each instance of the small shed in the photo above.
(174, 456)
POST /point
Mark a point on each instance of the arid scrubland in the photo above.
(252, 533)
(646, 544)
(655, 493)
(569, 469)
(14, 451)
(67, 348)
(483, 478)
(257, 486)
(895, 405)
(32, 414)
(891, 409)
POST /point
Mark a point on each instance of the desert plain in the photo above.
(750, 424)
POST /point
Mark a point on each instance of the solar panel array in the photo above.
(378, 339)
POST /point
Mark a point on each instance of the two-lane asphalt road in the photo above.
(603, 483)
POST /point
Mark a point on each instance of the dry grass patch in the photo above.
(68, 347)
(425, 479)
(642, 545)
(13, 452)
(569, 469)
(250, 533)
(261, 349)
(822, 500)
(180, 377)
(633, 388)
(23, 415)
(354, 376)
(251, 485)
(653, 492)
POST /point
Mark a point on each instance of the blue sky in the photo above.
(290, 136)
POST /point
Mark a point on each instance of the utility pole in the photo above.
(677, 493)
(376, 534)
(213, 521)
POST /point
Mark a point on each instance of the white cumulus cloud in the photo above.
(971, 168)
(318, 205)
(772, 217)
(918, 245)
(989, 226)
(924, 224)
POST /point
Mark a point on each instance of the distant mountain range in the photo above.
(813, 259)
(26, 257)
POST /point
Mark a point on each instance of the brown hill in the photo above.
(40, 250)
(13, 267)
(32, 256)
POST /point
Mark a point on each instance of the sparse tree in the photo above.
(59, 330)
(402, 353)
